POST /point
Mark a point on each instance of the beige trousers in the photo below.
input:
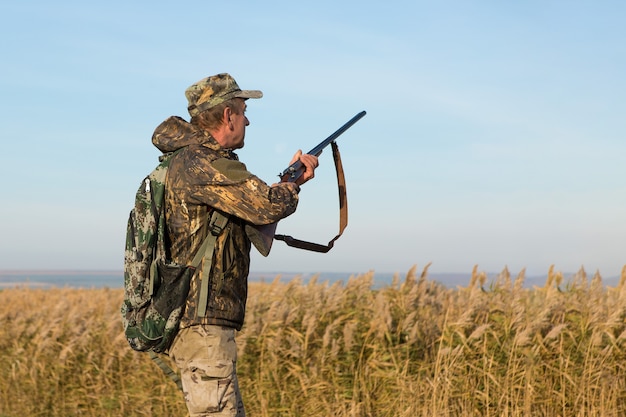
(206, 356)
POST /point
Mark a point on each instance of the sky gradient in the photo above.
(494, 133)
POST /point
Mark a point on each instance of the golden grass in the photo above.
(413, 348)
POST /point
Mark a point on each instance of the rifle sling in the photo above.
(343, 212)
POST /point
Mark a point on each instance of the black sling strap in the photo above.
(343, 212)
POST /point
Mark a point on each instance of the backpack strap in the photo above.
(217, 223)
(343, 212)
(171, 374)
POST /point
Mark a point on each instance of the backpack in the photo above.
(155, 289)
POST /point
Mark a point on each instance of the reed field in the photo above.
(411, 348)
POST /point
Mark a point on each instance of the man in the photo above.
(206, 175)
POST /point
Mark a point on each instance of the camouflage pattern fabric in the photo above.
(142, 237)
(207, 359)
(154, 290)
(203, 177)
(213, 90)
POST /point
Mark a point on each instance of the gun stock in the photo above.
(262, 237)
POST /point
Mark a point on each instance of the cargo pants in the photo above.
(206, 357)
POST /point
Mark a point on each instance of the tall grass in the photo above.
(412, 348)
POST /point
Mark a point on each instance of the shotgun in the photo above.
(295, 170)
(263, 236)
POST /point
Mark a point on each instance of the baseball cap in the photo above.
(213, 90)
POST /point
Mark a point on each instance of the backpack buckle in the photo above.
(217, 223)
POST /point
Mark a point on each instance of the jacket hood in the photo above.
(175, 133)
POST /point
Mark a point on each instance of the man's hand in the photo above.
(309, 162)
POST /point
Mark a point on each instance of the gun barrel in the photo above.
(295, 170)
(318, 149)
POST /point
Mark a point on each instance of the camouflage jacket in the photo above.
(204, 176)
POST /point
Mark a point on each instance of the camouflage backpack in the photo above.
(155, 289)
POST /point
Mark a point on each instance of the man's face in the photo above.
(239, 121)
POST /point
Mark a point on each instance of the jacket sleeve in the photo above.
(228, 186)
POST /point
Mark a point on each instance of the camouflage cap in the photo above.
(213, 90)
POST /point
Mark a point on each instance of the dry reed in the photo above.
(412, 348)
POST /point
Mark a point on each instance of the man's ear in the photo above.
(228, 112)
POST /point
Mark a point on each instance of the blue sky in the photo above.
(494, 133)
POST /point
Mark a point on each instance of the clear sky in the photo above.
(494, 133)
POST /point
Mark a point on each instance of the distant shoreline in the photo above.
(65, 272)
(76, 278)
(115, 278)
